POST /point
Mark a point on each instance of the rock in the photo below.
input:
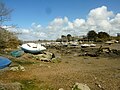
(60, 89)
(39, 56)
(49, 55)
(14, 68)
(21, 68)
(80, 86)
(98, 85)
(55, 60)
(45, 59)
(17, 68)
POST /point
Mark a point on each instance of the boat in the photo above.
(32, 48)
(4, 62)
(85, 45)
(17, 53)
(109, 42)
(92, 45)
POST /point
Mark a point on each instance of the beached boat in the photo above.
(17, 53)
(32, 48)
(92, 45)
(109, 42)
(85, 45)
(4, 62)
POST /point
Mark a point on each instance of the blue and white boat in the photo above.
(32, 48)
(4, 62)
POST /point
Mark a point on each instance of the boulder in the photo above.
(17, 68)
(61, 89)
(80, 86)
(55, 60)
(45, 59)
(47, 56)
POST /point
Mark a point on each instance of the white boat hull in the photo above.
(32, 48)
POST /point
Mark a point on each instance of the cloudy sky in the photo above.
(49, 19)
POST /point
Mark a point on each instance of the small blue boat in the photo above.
(17, 53)
(4, 62)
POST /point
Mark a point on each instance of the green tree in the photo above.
(59, 40)
(103, 35)
(92, 35)
(64, 38)
(69, 37)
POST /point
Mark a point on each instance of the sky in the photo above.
(49, 19)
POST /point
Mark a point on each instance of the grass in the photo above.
(29, 85)
(33, 84)
(21, 62)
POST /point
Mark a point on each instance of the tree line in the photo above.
(91, 36)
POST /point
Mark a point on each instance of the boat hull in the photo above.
(31, 51)
(4, 62)
(32, 48)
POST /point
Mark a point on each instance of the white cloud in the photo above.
(79, 22)
(100, 13)
(99, 19)
(26, 31)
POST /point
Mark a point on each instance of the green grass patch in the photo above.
(29, 85)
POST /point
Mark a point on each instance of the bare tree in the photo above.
(4, 13)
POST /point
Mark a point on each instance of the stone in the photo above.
(14, 68)
(60, 89)
(49, 55)
(80, 86)
(17, 68)
(45, 59)
(55, 60)
(21, 68)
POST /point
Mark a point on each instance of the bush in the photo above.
(8, 39)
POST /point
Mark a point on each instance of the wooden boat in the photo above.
(4, 62)
(32, 48)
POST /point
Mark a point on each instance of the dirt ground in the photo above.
(98, 73)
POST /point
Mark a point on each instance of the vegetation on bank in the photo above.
(8, 39)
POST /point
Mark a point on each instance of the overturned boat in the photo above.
(32, 48)
(4, 62)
